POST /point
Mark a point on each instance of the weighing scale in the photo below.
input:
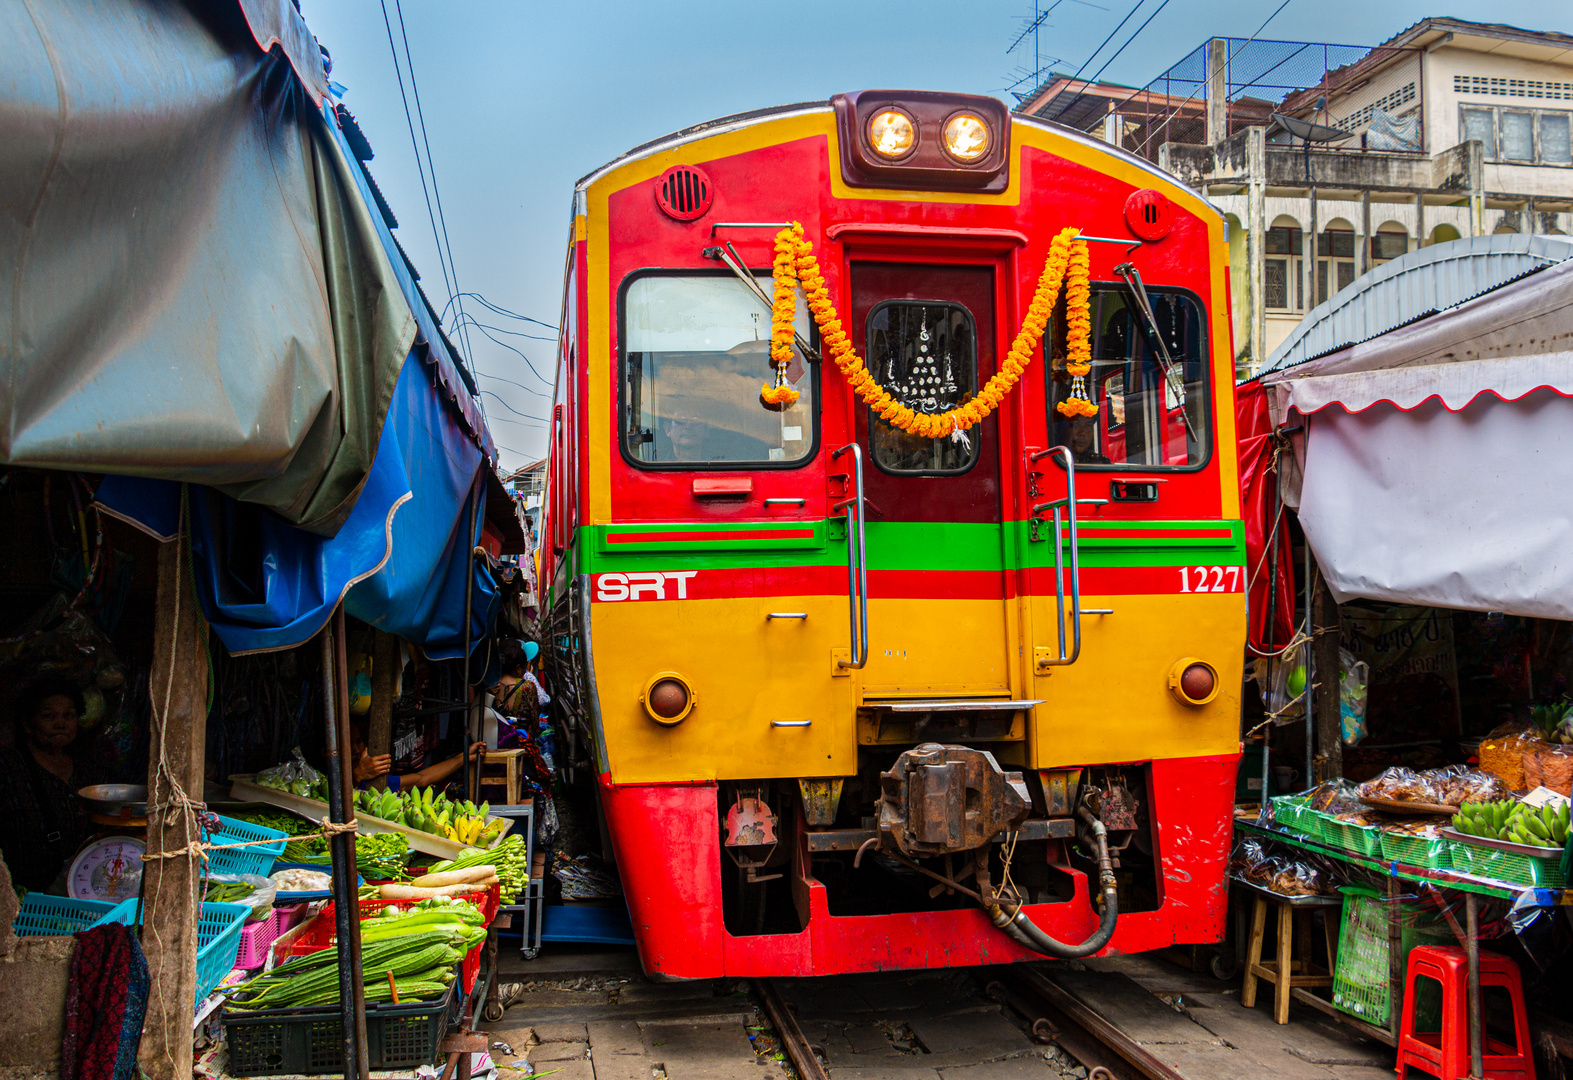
(109, 865)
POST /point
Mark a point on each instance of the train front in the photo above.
(863, 696)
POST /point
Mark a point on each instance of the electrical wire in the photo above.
(514, 333)
(511, 382)
(499, 309)
(516, 412)
(431, 162)
(519, 423)
(420, 168)
(1128, 41)
(470, 319)
(1098, 50)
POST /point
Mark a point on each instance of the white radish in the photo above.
(395, 891)
(455, 877)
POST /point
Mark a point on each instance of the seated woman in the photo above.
(45, 821)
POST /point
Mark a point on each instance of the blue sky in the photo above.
(522, 98)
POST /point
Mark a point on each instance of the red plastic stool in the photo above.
(1445, 1054)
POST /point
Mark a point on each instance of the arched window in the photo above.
(1444, 234)
(1391, 241)
(1335, 264)
(1283, 288)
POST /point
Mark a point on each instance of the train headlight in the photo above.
(1193, 681)
(668, 698)
(966, 138)
(891, 134)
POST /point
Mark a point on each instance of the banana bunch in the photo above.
(432, 812)
(1545, 826)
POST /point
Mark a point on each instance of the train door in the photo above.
(935, 556)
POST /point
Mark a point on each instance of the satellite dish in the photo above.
(1304, 129)
(1308, 133)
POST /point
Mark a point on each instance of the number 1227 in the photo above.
(1196, 579)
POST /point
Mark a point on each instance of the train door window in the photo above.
(696, 352)
(1152, 413)
(925, 354)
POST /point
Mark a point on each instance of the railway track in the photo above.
(1052, 1015)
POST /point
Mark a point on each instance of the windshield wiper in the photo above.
(1171, 374)
(734, 262)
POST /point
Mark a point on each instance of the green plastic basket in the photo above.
(1509, 866)
(1294, 814)
(1416, 851)
(1360, 839)
(1362, 975)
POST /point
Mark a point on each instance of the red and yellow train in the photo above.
(859, 698)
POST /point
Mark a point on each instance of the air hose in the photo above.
(1024, 932)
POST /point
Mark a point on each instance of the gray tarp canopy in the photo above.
(1437, 456)
(194, 289)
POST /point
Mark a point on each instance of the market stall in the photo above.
(1407, 456)
(256, 510)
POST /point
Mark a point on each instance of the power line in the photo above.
(431, 162)
(499, 309)
(510, 382)
(467, 319)
(1130, 39)
(520, 423)
(516, 412)
(420, 168)
(1098, 50)
(512, 333)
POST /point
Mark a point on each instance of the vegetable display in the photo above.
(510, 858)
(431, 812)
(1518, 822)
(228, 892)
(1554, 722)
(378, 856)
(420, 945)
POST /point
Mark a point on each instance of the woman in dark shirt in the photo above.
(45, 821)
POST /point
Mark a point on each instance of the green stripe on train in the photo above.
(904, 545)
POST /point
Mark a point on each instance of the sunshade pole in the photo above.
(341, 809)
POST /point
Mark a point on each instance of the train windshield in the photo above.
(1152, 413)
(696, 350)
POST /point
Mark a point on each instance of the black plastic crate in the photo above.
(273, 1042)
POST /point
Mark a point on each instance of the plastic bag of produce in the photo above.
(255, 892)
(1400, 785)
(1299, 877)
(1549, 766)
(296, 777)
(1335, 797)
(1502, 752)
(1457, 784)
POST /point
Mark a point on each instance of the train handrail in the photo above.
(857, 566)
(1068, 506)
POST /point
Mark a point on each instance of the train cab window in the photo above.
(1152, 414)
(926, 356)
(696, 350)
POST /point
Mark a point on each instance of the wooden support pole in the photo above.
(1326, 629)
(177, 745)
(384, 677)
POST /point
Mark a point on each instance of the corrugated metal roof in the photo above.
(1413, 286)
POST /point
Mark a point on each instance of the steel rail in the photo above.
(793, 1043)
(1125, 1058)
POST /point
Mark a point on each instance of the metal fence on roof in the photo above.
(1418, 284)
(1373, 93)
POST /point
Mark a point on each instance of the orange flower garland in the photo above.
(783, 312)
(1078, 337)
(1067, 261)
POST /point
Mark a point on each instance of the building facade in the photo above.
(1450, 129)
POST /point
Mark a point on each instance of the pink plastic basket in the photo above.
(258, 937)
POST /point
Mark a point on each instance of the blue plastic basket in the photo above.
(247, 860)
(218, 938)
(43, 915)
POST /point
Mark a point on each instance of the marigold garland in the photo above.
(1067, 262)
(783, 314)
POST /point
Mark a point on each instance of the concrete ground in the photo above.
(593, 1016)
